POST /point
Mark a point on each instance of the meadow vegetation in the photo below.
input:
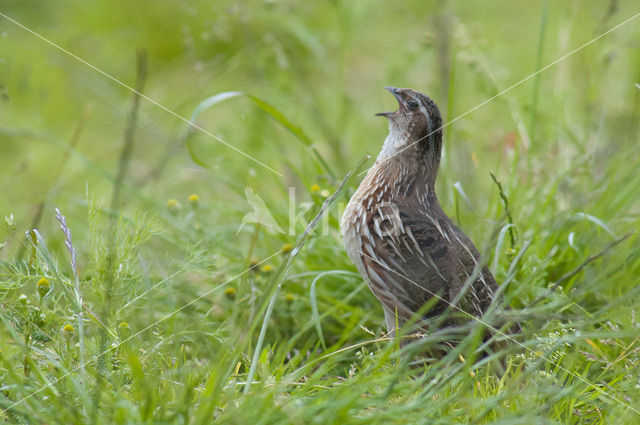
(142, 280)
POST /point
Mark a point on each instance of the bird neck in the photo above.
(403, 158)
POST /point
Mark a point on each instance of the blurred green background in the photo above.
(323, 65)
(563, 144)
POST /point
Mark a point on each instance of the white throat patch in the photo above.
(395, 141)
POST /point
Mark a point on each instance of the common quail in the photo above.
(401, 241)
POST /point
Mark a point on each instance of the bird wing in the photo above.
(416, 256)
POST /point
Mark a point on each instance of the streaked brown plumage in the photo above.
(398, 236)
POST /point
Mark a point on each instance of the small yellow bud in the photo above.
(286, 248)
(43, 287)
(267, 268)
(124, 330)
(253, 265)
(173, 206)
(289, 298)
(315, 188)
(193, 200)
(67, 331)
(230, 293)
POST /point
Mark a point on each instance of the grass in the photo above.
(139, 302)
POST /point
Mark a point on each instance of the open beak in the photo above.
(396, 93)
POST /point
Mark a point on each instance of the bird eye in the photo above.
(412, 104)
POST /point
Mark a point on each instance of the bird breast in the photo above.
(372, 214)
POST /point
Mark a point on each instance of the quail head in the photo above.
(412, 256)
